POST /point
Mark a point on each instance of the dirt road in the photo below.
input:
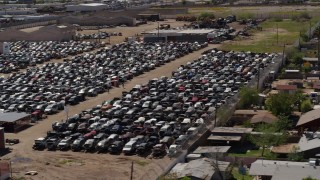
(71, 165)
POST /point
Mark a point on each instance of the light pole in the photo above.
(158, 31)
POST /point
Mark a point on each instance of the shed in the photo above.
(201, 169)
(212, 151)
(14, 121)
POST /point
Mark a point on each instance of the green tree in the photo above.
(283, 123)
(281, 103)
(295, 155)
(306, 106)
(248, 97)
(184, 2)
(297, 59)
(268, 137)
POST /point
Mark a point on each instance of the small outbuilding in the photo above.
(263, 117)
(202, 169)
(14, 121)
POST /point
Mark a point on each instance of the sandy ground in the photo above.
(78, 165)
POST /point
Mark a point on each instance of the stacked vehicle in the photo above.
(162, 116)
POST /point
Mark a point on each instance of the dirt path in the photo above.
(71, 165)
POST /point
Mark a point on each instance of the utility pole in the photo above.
(158, 31)
(283, 54)
(310, 29)
(318, 35)
(215, 117)
(277, 34)
(258, 79)
(131, 174)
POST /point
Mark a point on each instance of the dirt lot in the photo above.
(70, 165)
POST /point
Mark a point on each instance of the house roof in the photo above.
(286, 87)
(231, 130)
(284, 149)
(211, 149)
(200, 168)
(12, 116)
(296, 172)
(308, 144)
(309, 116)
(265, 117)
(269, 167)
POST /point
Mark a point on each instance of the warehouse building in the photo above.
(90, 7)
(97, 20)
(189, 35)
(39, 33)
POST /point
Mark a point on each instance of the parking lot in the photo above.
(154, 164)
(26, 54)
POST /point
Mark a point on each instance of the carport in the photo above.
(14, 122)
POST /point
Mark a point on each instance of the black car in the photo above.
(116, 147)
(77, 144)
(52, 143)
(143, 148)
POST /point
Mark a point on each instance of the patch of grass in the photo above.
(70, 161)
(209, 9)
(142, 163)
(251, 153)
(269, 41)
(238, 176)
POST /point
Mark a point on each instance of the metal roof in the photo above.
(12, 116)
(305, 144)
(309, 116)
(211, 149)
(199, 168)
(268, 167)
(231, 130)
(224, 138)
(196, 31)
(296, 172)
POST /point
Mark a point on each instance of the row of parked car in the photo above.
(100, 35)
(161, 116)
(23, 54)
(48, 88)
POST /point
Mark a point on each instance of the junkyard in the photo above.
(158, 90)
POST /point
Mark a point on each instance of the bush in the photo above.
(306, 106)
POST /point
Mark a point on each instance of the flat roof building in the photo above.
(280, 170)
(14, 121)
(90, 7)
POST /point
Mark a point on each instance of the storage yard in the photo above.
(142, 102)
